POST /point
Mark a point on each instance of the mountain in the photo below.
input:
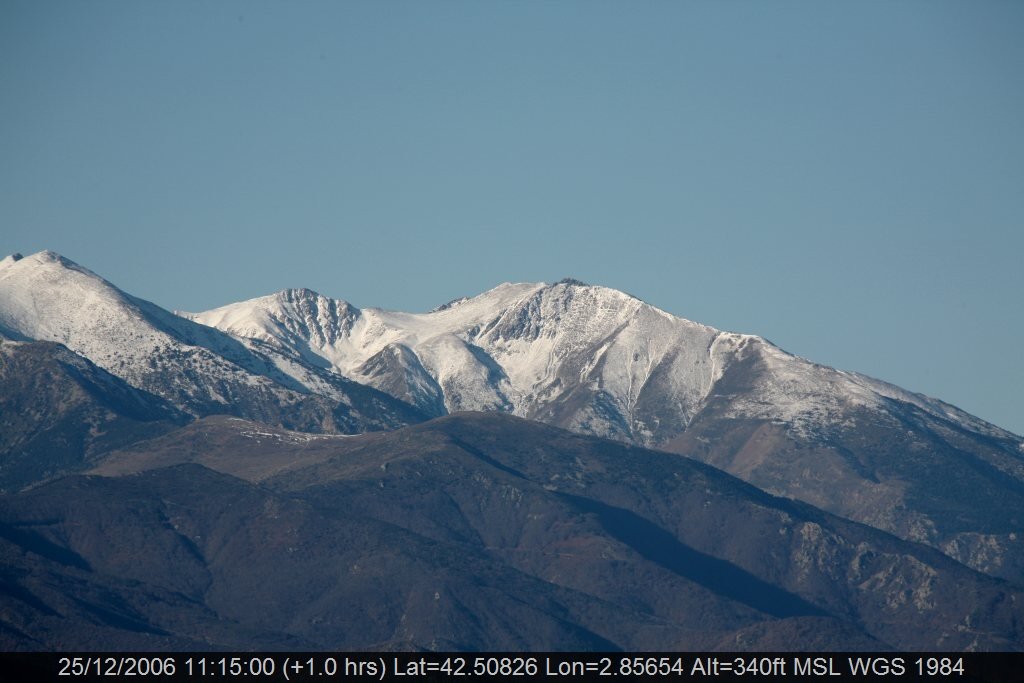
(197, 369)
(59, 412)
(472, 531)
(158, 470)
(576, 356)
(598, 361)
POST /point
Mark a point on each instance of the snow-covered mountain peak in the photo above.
(292, 320)
(570, 286)
(301, 295)
(583, 356)
(199, 369)
(48, 258)
(517, 347)
(49, 255)
(47, 296)
(12, 258)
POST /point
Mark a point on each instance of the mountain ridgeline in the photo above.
(597, 361)
(579, 449)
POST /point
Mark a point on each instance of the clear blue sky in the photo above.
(843, 178)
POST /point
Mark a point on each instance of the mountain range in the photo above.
(606, 469)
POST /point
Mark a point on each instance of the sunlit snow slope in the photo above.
(201, 370)
(597, 361)
(588, 358)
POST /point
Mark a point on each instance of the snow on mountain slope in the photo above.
(814, 397)
(597, 361)
(587, 358)
(583, 357)
(59, 412)
(199, 369)
(528, 349)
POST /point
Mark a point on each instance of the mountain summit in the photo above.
(156, 469)
(597, 361)
(585, 357)
(198, 369)
(582, 357)
(570, 354)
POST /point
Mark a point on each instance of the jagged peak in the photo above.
(298, 293)
(275, 300)
(297, 308)
(309, 297)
